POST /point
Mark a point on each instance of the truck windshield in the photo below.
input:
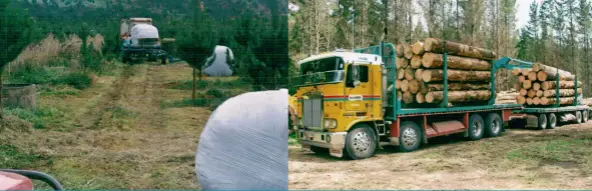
(321, 71)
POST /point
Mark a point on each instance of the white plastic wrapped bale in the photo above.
(245, 144)
(218, 63)
(142, 31)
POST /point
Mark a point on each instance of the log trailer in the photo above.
(346, 108)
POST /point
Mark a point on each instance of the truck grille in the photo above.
(312, 111)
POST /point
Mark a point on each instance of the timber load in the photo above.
(541, 84)
(420, 72)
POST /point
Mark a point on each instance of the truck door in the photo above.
(357, 85)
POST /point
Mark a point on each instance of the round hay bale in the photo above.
(20, 95)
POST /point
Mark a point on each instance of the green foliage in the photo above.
(39, 117)
(13, 158)
(78, 80)
(16, 31)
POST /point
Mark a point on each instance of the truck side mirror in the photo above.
(356, 75)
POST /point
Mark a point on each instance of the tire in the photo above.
(578, 117)
(493, 125)
(360, 142)
(163, 61)
(585, 116)
(551, 121)
(319, 150)
(476, 127)
(542, 121)
(411, 136)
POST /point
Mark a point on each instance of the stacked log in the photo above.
(420, 72)
(537, 86)
(507, 97)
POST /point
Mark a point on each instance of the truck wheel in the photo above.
(319, 150)
(552, 121)
(542, 121)
(493, 125)
(585, 116)
(476, 127)
(410, 137)
(360, 142)
(578, 117)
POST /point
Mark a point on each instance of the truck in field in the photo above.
(345, 107)
(141, 40)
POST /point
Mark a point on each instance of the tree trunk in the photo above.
(194, 92)
(409, 73)
(408, 97)
(420, 98)
(399, 50)
(405, 85)
(525, 71)
(539, 93)
(458, 87)
(523, 92)
(416, 61)
(414, 86)
(520, 100)
(549, 73)
(562, 100)
(401, 73)
(454, 48)
(562, 85)
(536, 86)
(529, 101)
(536, 101)
(562, 92)
(516, 72)
(398, 84)
(455, 75)
(527, 84)
(458, 96)
(431, 60)
(521, 78)
(418, 48)
(532, 76)
(531, 93)
(418, 73)
(402, 62)
(407, 51)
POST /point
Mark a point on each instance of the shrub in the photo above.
(78, 80)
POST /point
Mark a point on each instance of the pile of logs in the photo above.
(587, 101)
(537, 86)
(506, 97)
(420, 72)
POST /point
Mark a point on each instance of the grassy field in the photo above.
(135, 128)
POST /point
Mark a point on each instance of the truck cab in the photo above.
(337, 93)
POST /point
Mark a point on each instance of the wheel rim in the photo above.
(552, 120)
(361, 142)
(579, 116)
(409, 137)
(495, 126)
(585, 116)
(477, 128)
(543, 121)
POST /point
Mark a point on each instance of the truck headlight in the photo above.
(330, 123)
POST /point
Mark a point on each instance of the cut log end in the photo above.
(416, 61)
(417, 48)
(420, 98)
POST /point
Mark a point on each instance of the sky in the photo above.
(522, 12)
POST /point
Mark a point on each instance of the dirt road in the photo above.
(116, 135)
(520, 159)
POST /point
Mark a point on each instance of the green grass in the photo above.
(212, 98)
(14, 158)
(292, 140)
(40, 117)
(221, 84)
(120, 112)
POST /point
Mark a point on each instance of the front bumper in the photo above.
(335, 142)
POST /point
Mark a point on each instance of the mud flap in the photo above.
(336, 152)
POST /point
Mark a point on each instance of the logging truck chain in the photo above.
(352, 103)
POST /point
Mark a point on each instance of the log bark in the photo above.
(414, 86)
(562, 92)
(404, 85)
(407, 51)
(401, 74)
(520, 100)
(420, 98)
(458, 87)
(408, 97)
(416, 61)
(418, 73)
(402, 63)
(527, 84)
(562, 85)
(562, 101)
(432, 60)
(417, 48)
(409, 73)
(455, 75)
(532, 76)
(523, 92)
(536, 86)
(551, 72)
(455, 48)
(458, 96)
